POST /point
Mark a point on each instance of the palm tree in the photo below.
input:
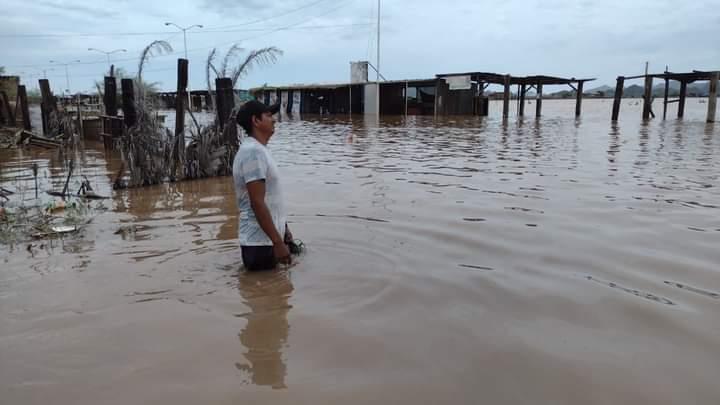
(255, 58)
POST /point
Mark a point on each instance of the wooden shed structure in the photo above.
(683, 78)
(463, 93)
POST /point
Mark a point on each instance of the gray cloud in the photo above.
(76, 8)
(589, 38)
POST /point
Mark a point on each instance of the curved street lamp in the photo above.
(67, 74)
(184, 31)
(107, 53)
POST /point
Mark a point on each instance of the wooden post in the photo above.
(578, 98)
(712, 97)
(128, 102)
(618, 97)
(681, 102)
(24, 108)
(521, 109)
(665, 98)
(47, 105)
(110, 96)
(182, 82)
(225, 101)
(538, 100)
(647, 97)
(506, 97)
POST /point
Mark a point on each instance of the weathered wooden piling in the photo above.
(24, 108)
(521, 106)
(712, 97)
(47, 104)
(618, 97)
(647, 98)
(579, 98)
(538, 100)
(110, 96)
(225, 105)
(681, 101)
(225, 99)
(181, 99)
(128, 102)
(506, 97)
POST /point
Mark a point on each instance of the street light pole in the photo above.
(107, 53)
(184, 31)
(67, 72)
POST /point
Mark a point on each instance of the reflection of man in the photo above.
(263, 228)
(267, 327)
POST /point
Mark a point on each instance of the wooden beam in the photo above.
(578, 99)
(521, 110)
(538, 100)
(24, 107)
(618, 97)
(647, 108)
(128, 102)
(665, 98)
(506, 97)
(712, 98)
(681, 101)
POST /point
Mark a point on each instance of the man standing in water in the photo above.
(265, 239)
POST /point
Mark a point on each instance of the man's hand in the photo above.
(282, 254)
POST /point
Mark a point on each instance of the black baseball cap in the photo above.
(253, 108)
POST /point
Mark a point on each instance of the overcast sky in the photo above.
(419, 38)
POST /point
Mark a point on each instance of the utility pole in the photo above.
(377, 80)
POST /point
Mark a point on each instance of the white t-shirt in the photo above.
(254, 162)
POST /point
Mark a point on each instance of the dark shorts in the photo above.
(263, 257)
(258, 257)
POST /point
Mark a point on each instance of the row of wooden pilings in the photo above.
(647, 112)
(225, 103)
(522, 90)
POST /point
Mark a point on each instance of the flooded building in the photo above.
(445, 94)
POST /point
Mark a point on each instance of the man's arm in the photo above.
(256, 191)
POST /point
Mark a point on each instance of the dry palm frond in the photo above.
(234, 50)
(153, 49)
(258, 57)
(209, 66)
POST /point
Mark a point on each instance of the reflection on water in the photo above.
(266, 333)
(448, 257)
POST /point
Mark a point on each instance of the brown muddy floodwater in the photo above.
(452, 261)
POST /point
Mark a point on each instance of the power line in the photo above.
(269, 31)
(271, 17)
(146, 33)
